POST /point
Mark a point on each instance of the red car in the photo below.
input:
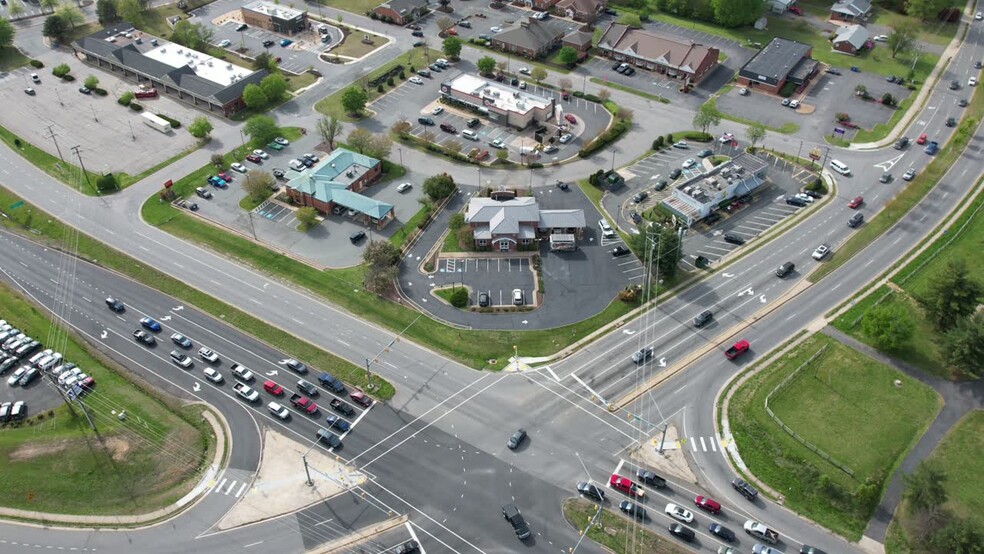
(361, 398)
(273, 388)
(452, 31)
(225, 176)
(856, 203)
(705, 503)
(253, 158)
(795, 10)
(570, 119)
(922, 139)
(625, 485)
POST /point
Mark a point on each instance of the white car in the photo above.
(880, 38)
(805, 197)
(566, 137)
(689, 162)
(909, 174)
(606, 229)
(279, 411)
(16, 375)
(726, 138)
(972, 82)
(821, 252)
(978, 16)
(682, 144)
(208, 355)
(524, 70)
(416, 80)
(281, 141)
(239, 167)
(679, 513)
(212, 375)
(437, 111)
(495, 29)
(794, 104)
(404, 187)
(743, 91)
(261, 153)
(497, 143)
(224, 43)
(35, 78)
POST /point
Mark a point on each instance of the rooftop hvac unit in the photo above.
(348, 173)
(686, 190)
(163, 50)
(179, 51)
(725, 171)
(496, 94)
(521, 105)
(229, 66)
(210, 63)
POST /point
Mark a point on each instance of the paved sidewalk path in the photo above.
(959, 398)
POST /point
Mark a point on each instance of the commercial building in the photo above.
(334, 183)
(275, 17)
(668, 56)
(531, 38)
(517, 223)
(498, 102)
(188, 75)
(585, 11)
(697, 197)
(777, 63)
(401, 12)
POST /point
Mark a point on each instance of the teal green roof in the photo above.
(328, 182)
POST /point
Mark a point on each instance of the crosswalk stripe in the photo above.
(219, 486)
(702, 445)
(232, 484)
(714, 445)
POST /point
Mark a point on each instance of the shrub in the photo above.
(175, 124)
(37, 64)
(535, 165)
(628, 295)
(459, 298)
(669, 138)
(610, 136)
(125, 98)
(389, 82)
(61, 70)
(99, 92)
(658, 143)
(107, 183)
(136, 107)
(379, 88)
(843, 116)
(698, 136)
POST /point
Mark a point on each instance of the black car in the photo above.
(721, 531)
(516, 439)
(616, 65)
(280, 174)
(833, 71)
(807, 549)
(951, 122)
(712, 218)
(419, 43)
(425, 121)
(620, 251)
(885, 178)
(408, 547)
(611, 11)
(417, 33)
(473, 122)
(296, 366)
(676, 173)
(650, 478)
(241, 27)
(954, 84)
(144, 337)
(181, 340)
(660, 185)
(629, 71)
(734, 238)
(640, 196)
(267, 43)
(703, 319)
(512, 515)
(591, 491)
(115, 305)
(813, 193)
(636, 218)
(357, 236)
(744, 488)
(483, 299)
(329, 438)
(682, 532)
(793, 201)
(632, 509)
(643, 354)
(962, 103)
(902, 143)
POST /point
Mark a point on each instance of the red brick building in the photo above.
(336, 181)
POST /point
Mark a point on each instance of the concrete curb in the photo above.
(219, 425)
(361, 535)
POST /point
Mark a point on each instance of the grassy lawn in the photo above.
(352, 45)
(451, 243)
(400, 237)
(630, 90)
(616, 533)
(11, 59)
(359, 7)
(52, 165)
(53, 462)
(413, 58)
(550, 63)
(831, 403)
(297, 82)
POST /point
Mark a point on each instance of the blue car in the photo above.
(286, 42)
(338, 423)
(217, 182)
(150, 324)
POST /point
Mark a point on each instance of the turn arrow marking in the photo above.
(166, 318)
(628, 331)
(271, 373)
(662, 362)
(762, 299)
(746, 292)
(196, 387)
(104, 334)
(728, 275)
(179, 308)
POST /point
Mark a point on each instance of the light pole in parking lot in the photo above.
(399, 149)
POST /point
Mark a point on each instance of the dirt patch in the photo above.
(115, 446)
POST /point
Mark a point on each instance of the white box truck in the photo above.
(157, 123)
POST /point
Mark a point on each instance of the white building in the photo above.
(697, 197)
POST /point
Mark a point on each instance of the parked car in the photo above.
(516, 439)
(361, 398)
(203, 192)
(239, 167)
(620, 251)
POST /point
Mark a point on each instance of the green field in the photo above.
(11, 59)
(53, 462)
(840, 403)
(355, 6)
(616, 533)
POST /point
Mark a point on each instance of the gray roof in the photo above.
(561, 219)
(856, 35)
(503, 216)
(776, 60)
(533, 34)
(404, 6)
(853, 8)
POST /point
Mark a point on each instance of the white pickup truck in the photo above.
(242, 373)
(243, 390)
(761, 532)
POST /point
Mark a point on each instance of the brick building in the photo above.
(275, 17)
(672, 57)
(334, 183)
(777, 63)
(507, 225)
(401, 12)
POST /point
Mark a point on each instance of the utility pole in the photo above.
(662, 439)
(251, 228)
(94, 118)
(132, 135)
(78, 152)
(52, 135)
(307, 471)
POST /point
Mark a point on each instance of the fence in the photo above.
(826, 457)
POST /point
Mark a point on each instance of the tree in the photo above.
(888, 325)
(502, 155)
(307, 217)
(755, 133)
(200, 127)
(258, 184)
(631, 20)
(624, 113)
(444, 23)
(329, 127)
(382, 263)
(274, 86)
(91, 82)
(903, 37)
(354, 100)
(457, 221)
(926, 9)
(888, 99)
(565, 83)
(453, 146)
(485, 65)
(61, 70)
(106, 11)
(604, 94)
(439, 187)
(925, 487)
(55, 28)
(952, 295)
(16, 9)
(6, 34)
(706, 117)
(959, 536)
(379, 147)
(444, 4)
(218, 161)
(254, 97)
(264, 60)
(569, 56)
(666, 249)
(452, 47)
(50, 4)
(261, 129)
(71, 15)
(963, 345)
(359, 139)
(192, 35)
(735, 13)
(538, 74)
(132, 11)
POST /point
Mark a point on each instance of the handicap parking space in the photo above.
(496, 276)
(275, 212)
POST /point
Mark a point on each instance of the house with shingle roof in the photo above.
(401, 12)
(585, 11)
(850, 10)
(665, 55)
(531, 38)
(517, 223)
(850, 39)
(333, 184)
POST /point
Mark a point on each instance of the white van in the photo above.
(840, 167)
(296, 165)
(469, 134)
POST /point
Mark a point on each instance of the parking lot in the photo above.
(411, 101)
(496, 276)
(103, 128)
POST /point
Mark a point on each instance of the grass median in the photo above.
(53, 462)
(616, 533)
(831, 403)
